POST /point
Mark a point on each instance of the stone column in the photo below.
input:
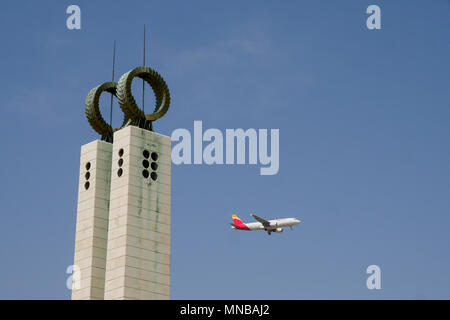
(92, 219)
(138, 252)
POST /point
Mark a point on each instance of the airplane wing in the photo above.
(265, 223)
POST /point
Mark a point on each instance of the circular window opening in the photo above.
(154, 156)
(86, 185)
(146, 154)
(88, 166)
(145, 163)
(154, 166)
(154, 176)
(120, 152)
(145, 173)
(119, 172)
(120, 162)
(87, 175)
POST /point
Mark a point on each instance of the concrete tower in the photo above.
(122, 242)
(92, 219)
(138, 255)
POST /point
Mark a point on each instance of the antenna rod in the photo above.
(114, 63)
(143, 82)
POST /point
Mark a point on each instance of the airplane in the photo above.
(262, 224)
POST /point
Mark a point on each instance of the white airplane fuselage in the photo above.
(276, 223)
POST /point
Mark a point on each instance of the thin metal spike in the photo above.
(143, 82)
(113, 67)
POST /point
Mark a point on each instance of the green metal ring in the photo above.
(126, 99)
(92, 109)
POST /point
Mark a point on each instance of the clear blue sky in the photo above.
(364, 141)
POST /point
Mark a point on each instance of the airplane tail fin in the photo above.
(238, 224)
(236, 219)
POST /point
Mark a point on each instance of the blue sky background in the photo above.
(364, 141)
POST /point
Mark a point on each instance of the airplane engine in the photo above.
(278, 230)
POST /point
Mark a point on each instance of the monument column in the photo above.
(138, 253)
(92, 219)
